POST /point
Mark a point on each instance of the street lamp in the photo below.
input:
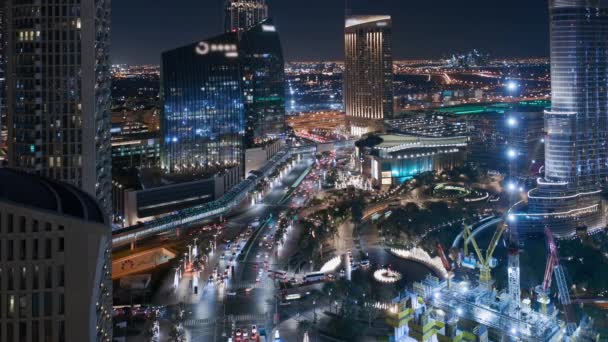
(511, 153)
(512, 86)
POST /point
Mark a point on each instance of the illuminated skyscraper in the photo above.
(576, 167)
(368, 74)
(203, 118)
(241, 15)
(58, 92)
(263, 70)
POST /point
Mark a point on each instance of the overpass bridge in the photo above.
(221, 206)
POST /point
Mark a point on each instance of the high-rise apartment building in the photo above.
(58, 92)
(576, 165)
(203, 118)
(368, 73)
(263, 71)
(3, 132)
(241, 15)
(55, 270)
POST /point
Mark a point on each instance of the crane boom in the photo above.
(444, 259)
(474, 243)
(492, 247)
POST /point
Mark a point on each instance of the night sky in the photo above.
(313, 29)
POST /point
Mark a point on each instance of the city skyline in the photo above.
(422, 30)
(437, 177)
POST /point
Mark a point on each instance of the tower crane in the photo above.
(485, 269)
(554, 268)
(446, 263)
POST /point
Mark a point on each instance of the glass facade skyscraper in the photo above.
(203, 119)
(241, 15)
(263, 70)
(368, 73)
(58, 92)
(576, 164)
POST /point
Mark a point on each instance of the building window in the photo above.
(35, 226)
(10, 309)
(61, 304)
(23, 278)
(9, 224)
(10, 335)
(48, 226)
(48, 303)
(61, 246)
(61, 332)
(36, 277)
(48, 331)
(61, 275)
(35, 331)
(10, 250)
(35, 304)
(22, 331)
(23, 306)
(22, 249)
(48, 277)
(11, 280)
(35, 249)
(47, 248)
(22, 224)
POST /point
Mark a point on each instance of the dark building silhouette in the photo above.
(263, 68)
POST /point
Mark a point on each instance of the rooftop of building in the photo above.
(356, 20)
(403, 141)
(495, 107)
(150, 178)
(37, 192)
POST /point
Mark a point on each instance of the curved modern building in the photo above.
(576, 165)
(55, 243)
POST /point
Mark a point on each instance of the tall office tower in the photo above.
(263, 71)
(3, 132)
(58, 92)
(568, 197)
(56, 273)
(241, 15)
(368, 74)
(203, 118)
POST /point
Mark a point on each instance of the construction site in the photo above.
(467, 306)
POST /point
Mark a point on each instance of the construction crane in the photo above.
(554, 268)
(484, 263)
(446, 263)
